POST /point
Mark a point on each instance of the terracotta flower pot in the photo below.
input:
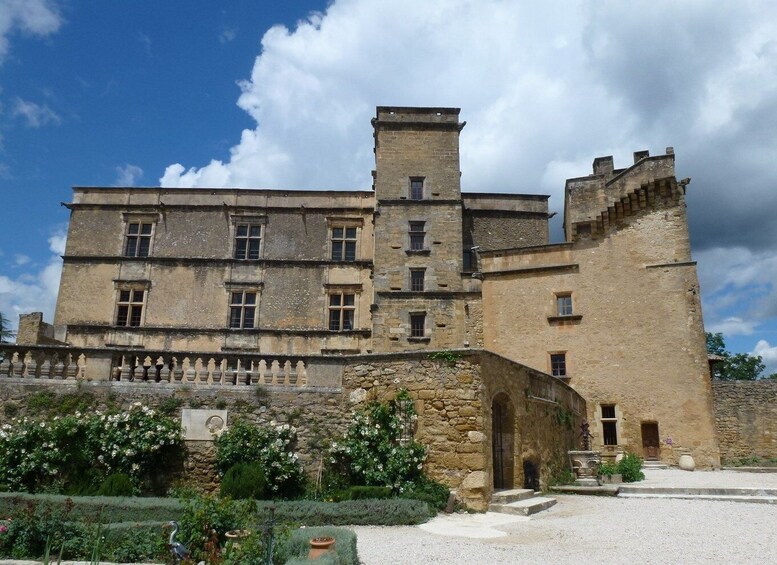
(319, 546)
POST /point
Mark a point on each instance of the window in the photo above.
(564, 304)
(416, 188)
(129, 311)
(418, 324)
(342, 306)
(609, 425)
(417, 236)
(248, 239)
(343, 243)
(558, 364)
(417, 279)
(242, 309)
(137, 240)
(470, 261)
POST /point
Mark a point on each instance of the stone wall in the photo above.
(746, 419)
(452, 394)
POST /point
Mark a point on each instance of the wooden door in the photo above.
(650, 442)
(502, 423)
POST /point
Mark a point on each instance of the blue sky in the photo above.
(280, 94)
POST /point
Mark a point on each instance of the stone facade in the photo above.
(615, 310)
(746, 419)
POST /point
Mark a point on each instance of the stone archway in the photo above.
(502, 441)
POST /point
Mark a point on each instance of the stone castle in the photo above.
(301, 288)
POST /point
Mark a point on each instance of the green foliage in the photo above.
(367, 512)
(344, 549)
(6, 335)
(272, 446)
(608, 469)
(170, 406)
(564, 418)
(254, 549)
(630, 467)
(434, 493)
(117, 484)
(361, 492)
(55, 453)
(446, 355)
(10, 409)
(374, 452)
(735, 366)
(244, 480)
(562, 476)
(206, 519)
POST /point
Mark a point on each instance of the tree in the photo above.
(733, 366)
(6, 335)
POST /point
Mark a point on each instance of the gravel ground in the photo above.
(592, 529)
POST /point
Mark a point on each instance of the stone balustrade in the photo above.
(141, 366)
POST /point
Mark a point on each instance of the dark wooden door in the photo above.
(650, 441)
(497, 445)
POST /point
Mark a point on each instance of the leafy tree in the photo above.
(734, 366)
(6, 335)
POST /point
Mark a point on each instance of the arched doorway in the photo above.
(502, 440)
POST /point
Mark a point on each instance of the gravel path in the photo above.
(592, 530)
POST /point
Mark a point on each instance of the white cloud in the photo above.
(227, 34)
(34, 114)
(128, 175)
(35, 17)
(768, 354)
(732, 326)
(34, 290)
(20, 259)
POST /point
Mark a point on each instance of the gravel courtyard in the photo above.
(590, 529)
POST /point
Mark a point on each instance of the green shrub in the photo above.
(630, 467)
(117, 484)
(244, 480)
(368, 512)
(272, 446)
(608, 469)
(360, 493)
(206, 519)
(434, 493)
(133, 542)
(344, 553)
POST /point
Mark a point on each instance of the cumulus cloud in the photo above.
(36, 289)
(768, 354)
(128, 175)
(34, 114)
(35, 17)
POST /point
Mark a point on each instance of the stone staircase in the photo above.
(654, 465)
(740, 494)
(523, 502)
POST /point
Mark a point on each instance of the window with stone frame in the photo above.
(416, 188)
(342, 311)
(129, 307)
(564, 304)
(242, 309)
(417, 279)
(609, 425)
(418, 324)
(248, 240)
(558, 364)
(343, 243)
(137, 239)
(417, 233)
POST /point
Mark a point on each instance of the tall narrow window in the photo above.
(129, 310)
(564, 304)
(137, 240)
(417, 279)
(558, 364)
(242, 309)
(416, 188)
(609, 425)
(343, 243)
(248, 240)
(417, 235)
(341, 311)
(418, 324)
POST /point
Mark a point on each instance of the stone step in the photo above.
(654, 465)
(511, 495)
(525, 507)
(645, 491)
(730, 498)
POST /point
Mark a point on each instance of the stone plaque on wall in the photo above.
(203, 425)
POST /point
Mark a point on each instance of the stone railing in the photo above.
(181, 368)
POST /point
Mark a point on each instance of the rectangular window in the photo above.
(342, 306)
(343, 243)
(470, 261)
(129, 311)
(417, 279)
(417, 235)
(416, 188)
(418, 325)
(558, 364)
(563, 304)
(137, 240)
(248, 240)
(242, 309)
(609, 425)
